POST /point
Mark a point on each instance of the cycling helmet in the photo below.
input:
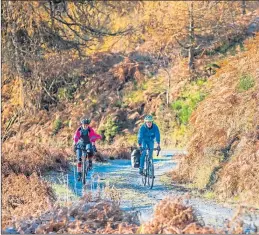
(148, 118)
(85, 121)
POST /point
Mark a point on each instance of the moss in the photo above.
(209, 195)
(246, 82)
(191, 95)
(109, 129)
(66, 93)
(154, 85)
(57, 125)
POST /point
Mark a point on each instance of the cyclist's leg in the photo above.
(151, 149)
(79, 162)
(142, 158)
(90, 155)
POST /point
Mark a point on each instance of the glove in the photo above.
(94, 149)
(75, 147)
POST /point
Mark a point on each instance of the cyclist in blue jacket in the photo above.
(147, 134)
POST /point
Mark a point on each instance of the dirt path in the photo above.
(137, 198)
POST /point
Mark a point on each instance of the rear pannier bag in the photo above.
(135, 158)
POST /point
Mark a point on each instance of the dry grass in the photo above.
(225, 114)
(23, 192)
(103, 216)
(116, 153)
(239, 178)
(172, 217)
(23, 197)
(127, 70)
(27, 159)
(100, 217)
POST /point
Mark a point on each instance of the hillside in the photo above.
(223, 150)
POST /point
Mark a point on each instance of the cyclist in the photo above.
(84, 138)
(147, 134)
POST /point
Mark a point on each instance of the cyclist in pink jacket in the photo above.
(84, 139)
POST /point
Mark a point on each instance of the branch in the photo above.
(90, 29)
(48, 93)
(185, 47)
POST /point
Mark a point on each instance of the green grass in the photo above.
(63, 193)
(154, 85)
(110, 129)
(134, 97)
(130, 139)
(57, 125)
(201, 82)
(66, 93)
(186, 104)
(228, 47)
(209, 195)
(236, 198)
(246, 82)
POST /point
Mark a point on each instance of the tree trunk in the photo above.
(244, 7)
(168, 88)
(191, 38)
(168, 92)
(17, 55)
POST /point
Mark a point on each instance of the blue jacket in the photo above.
(146, 135)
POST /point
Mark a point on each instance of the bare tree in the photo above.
(32, 30)
(243, 7)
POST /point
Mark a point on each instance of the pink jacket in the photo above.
(92, 135)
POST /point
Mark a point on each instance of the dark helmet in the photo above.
(85, 121)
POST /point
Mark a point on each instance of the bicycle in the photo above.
(85, 162)
(148, 171)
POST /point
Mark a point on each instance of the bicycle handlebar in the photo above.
(156, 149)
(85, 149)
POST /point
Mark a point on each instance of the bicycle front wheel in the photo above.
(144, 176)
(150, 174)
(85, 169)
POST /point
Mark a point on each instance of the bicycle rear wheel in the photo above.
(150, 174)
